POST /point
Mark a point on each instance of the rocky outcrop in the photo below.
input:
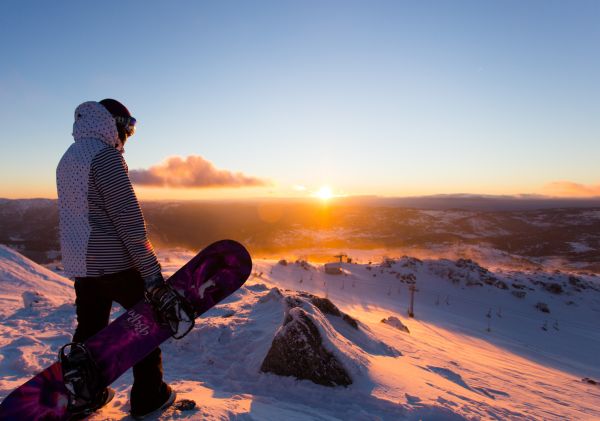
(554, 288)
(467, 271)
(519, 294)
(327, 307)
(395, 322)
(297, 350)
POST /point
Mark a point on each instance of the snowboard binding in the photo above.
(173, 309)
(81, 377)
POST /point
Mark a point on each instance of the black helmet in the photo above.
(123, 118)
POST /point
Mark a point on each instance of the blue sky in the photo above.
(370, 97)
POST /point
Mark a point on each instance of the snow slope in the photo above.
(448, 367)
(24, 280)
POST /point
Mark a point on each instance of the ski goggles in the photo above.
(127, 123)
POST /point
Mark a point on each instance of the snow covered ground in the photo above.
(475, 350)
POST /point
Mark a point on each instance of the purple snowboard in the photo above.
(212, 275)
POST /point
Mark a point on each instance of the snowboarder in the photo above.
(104, 242)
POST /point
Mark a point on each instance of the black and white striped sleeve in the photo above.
(109, 173)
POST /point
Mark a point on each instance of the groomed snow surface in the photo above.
(474, 351)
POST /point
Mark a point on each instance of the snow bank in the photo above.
(24, 283)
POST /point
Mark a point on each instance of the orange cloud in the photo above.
(571, 189)
(191, 171)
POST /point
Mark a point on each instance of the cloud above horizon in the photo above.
(192, 171)
(571, 189)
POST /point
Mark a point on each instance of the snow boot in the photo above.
(105, 398)
(167, 398)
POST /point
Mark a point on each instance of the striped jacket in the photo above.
(102, 229)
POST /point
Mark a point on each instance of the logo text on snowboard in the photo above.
(138, 324)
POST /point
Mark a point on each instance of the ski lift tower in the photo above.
(341, 256)
(411, 309)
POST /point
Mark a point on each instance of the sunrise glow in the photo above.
(324, 193)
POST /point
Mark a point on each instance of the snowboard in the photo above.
(212, 275)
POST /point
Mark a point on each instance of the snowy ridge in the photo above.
(448, 367)
(23, 281)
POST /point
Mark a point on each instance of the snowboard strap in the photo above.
(81, 376)
(173, 309)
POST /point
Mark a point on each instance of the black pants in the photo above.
(94, 301)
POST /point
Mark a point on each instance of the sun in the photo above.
(324, 193)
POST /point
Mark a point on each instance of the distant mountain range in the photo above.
(565, 232)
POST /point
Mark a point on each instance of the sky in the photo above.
(282, 98)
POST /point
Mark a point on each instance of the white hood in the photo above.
(93, 121)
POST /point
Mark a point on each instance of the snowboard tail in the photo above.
(212, 275)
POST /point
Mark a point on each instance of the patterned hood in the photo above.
(94, 121)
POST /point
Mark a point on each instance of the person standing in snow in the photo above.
(104, 241)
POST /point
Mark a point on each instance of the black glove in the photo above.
(171, 308)
(154, 281)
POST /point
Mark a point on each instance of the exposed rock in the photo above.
(471, 283)
(519, 294)
(326, 307)
(395, 322)
(577, 283)
(590, 381)
(466, 270)
(543, 307)
(350, 320)
(297, 350)
(228, 313)
(501, 284)
(410, 262)
(303, 264)
(407, 278)
(292, 302)
(282, 262)
(387, 262)
(554, 288)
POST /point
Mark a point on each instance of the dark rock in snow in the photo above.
(577, 282)
(327, 307)
(408, 278)
(184, 405)
(501, 284)
(554, 288)
(395, 322)
(350, 320)
(519, 294)
(297, 350)
(292, 302)
(228, 313)
(471, 283)
(543, 307)
(410, 262)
